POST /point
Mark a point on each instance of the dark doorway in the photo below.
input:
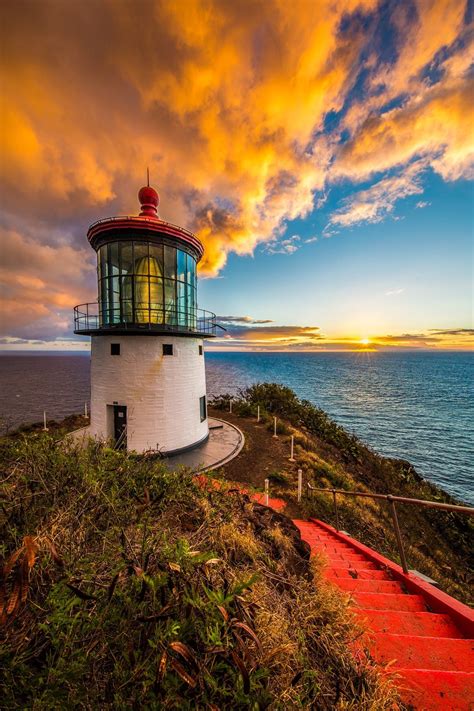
(120, 426)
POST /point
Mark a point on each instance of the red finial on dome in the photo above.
(149, 200)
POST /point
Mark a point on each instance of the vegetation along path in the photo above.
(422, 635)
(125, 585)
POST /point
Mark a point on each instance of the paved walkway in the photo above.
(224, 443)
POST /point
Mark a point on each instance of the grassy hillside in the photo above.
(439, 544)
(126, 586)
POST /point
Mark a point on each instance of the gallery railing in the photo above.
(144, 316)
(392, 501)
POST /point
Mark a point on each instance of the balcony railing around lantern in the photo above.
(140, 317)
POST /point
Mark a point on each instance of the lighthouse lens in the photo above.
(146, 283)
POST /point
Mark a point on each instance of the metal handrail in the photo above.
(392, 500)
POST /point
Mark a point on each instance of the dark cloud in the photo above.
(453, 331)
(407, 338)
(243, 319)
(274, 333)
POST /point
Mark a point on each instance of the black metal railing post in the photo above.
(336, 512)
(398, 535)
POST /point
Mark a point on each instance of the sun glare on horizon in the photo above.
(364, 341)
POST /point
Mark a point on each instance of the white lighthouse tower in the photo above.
(148, 383)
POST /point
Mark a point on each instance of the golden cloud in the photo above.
(437, 125)
(226, 101)
(310, 338)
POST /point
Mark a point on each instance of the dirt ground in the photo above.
(261, 457)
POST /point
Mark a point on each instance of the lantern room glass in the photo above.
(146, 283)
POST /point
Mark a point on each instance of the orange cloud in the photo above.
(40, 284)
(227, 102)
(222, 103)
(437, 125)
(296, 338)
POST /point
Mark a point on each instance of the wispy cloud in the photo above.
(394, 292)
(378, 201)
(243, 319)
(273, 334)
(421, 204)
(453, 331)
(284, 246)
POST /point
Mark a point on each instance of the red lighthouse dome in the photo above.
(149, 201)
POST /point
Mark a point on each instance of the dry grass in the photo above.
(136, 588)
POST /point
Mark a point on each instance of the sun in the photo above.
(364, 341)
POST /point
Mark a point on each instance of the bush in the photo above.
(279, 400)
(279, 478)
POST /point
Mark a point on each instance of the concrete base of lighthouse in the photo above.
(151, 385)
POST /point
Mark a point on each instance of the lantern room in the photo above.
(146, 271)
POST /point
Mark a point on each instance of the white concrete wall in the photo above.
(161, 392)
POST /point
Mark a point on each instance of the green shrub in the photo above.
(279, 478)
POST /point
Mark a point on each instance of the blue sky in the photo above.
(410, 272)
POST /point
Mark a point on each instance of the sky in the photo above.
(322, 151)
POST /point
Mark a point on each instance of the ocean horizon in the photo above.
(414, 405)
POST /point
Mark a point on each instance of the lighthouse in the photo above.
(148, 381)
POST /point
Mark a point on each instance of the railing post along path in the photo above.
(397, 533)
(258, 413)
(266, 491)
(300, 483)
(292, 449)
(336, 512)
(230, 406)
(275, 427)
(45, 429)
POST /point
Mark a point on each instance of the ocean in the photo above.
(413, 405)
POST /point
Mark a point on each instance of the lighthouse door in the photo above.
(120, 426)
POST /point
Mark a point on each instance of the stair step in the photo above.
(373, 586)
(433, 690)
(333, 549)
(323, 539)
(349, 564)
(408, 651)
(329, 544)
(371, 574)
(333, 555)
(336, 549)
(389, 601)
(421, 624)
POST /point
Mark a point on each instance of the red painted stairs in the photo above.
(422, 635)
